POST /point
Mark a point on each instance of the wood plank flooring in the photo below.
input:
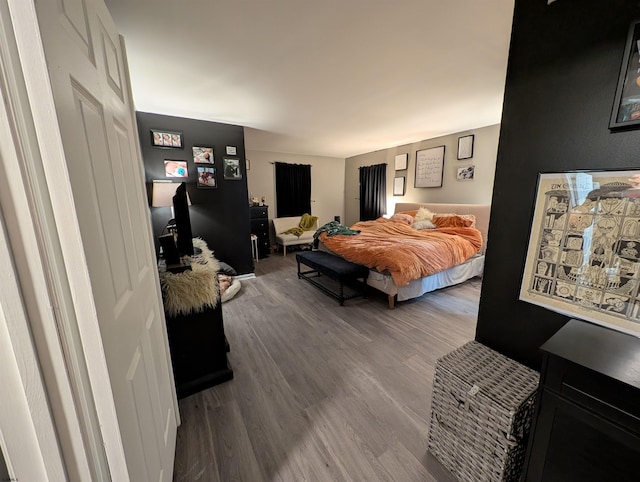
(323, 392)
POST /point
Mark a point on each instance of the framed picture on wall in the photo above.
(232, 170)
(465, 147)
(626, 106)
(583, 258)
(401, 161)
(203, 155)
(466, 173)
(162, 138)
(175, 168)
(429, 167)
(206, 177)
(398, 186)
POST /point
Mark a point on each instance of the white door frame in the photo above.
(74, 412)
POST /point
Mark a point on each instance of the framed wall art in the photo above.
(161, 138)
(466, 173)
(232, 169)
(175, 168)
(429, 167)
(203, 155)
(583, 258)
(206, 177)
(398, 186)
(465, 147)
(401, 161)
(626, 106)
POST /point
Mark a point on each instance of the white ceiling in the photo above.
(327, 77)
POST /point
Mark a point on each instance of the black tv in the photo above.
(182, 221)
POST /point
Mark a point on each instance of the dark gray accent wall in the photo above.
(564, 62)
(219, 216)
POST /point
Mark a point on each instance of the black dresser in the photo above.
(198, 350)
(586, 426)
(260, 227)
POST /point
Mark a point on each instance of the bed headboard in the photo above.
(480, 211)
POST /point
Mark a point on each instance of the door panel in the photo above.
(98, 133)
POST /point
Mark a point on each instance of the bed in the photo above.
(400, 290)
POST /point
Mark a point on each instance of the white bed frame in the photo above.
(449, 277)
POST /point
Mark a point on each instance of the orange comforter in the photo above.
(406, 253)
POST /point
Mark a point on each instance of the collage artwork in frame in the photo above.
(583, 258)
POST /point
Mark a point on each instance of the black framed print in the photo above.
(465, 147)
(401, 161)
(626, 106)
(203, 155)
(162, 138)
(429, 167)
(399, 186)
(232, 170)
(174, 168)
(206, 177)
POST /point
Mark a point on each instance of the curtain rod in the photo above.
(273, 162)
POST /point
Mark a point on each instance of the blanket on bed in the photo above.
(406, 253)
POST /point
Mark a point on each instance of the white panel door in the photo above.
(87, 68)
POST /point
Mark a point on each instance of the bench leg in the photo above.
(284, 250)
(392, 301)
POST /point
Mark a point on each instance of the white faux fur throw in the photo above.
(195, 290)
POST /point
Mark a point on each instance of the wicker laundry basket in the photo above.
(481, 411)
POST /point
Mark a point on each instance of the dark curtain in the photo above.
(373, 192)
(293, 189)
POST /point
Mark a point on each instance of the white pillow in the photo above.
(423, 214)
(426, 224)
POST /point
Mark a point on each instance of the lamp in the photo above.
(162, 195)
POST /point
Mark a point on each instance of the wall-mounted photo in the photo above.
(175, 168)
(232, 169)
(206, 177)
(203, 155)
(466, 173)
(166, 139)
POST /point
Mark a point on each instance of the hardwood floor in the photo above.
(323, 392)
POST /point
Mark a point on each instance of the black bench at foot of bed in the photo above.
(344, 272)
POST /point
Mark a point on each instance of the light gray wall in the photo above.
(477, 191)
(327, 181)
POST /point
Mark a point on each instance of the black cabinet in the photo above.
(586, 425)
(260, 227)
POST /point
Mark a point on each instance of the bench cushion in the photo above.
(330, 264)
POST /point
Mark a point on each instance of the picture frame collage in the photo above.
(429, 166)
(203, 160)
(465, 151)
(399, 182)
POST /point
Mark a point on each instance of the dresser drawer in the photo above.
(261, 233)
(259, 212)
(259, 225)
